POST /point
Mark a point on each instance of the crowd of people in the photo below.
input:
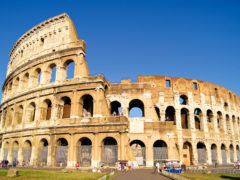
(6, 164)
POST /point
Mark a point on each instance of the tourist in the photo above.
(157, 166)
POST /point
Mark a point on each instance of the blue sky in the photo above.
(191, 39)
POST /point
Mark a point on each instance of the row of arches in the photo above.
(46, 110)
(202, 153)
(40, 75)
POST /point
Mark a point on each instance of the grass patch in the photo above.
(217, 176)
(51, 175)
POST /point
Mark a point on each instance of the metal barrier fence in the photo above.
(27, 152)
(224, 156)
(61, 156)
(84, 153)
(140, 154)
(42, 156)
(201, 155)
(160, 153)
(15, 154)
(109, 154)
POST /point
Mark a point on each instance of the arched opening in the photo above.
(183, 100)
(198, 118)
(187, 154)
(116, 108)
(53, 72)
(224, 154)
(25, 81)
(237, 151)
(219, 119)
(42, 153)
(228, 123)
(31, 111)
(66, 102)
(70, 68)
(27, 152)
(10, 87)
(231, 151)
(160, 150)
(37, 76)
(46, 109)
(61, 153)
(185, 118)
(209, 116)
(234, 124)
(139, 151)
(87, 105)
(109, 151)
(157, 110)
(201, 149)
(84, 152)
(226, 106)
(136, 108)
(19, 114)
(5, 151)
(170, 114)
(15, 151)
(214, 153)
(16, 84)
(9, 117)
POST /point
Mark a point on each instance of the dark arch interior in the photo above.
(158, 112)
(183, 100)
(214, 146)
(44, 142)
(159, 143)
(184, 118)
(186, 145)
(209, 116)
(137, 142)
(85, 141)
(115, 107)
(170, 113)
(223, 147)
(109, 141)
(136, 103)
(62, 142)
(201, 145)
(87, 101)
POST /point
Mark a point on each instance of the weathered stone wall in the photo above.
(181, 118)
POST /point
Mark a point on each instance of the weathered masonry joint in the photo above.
(52, 117)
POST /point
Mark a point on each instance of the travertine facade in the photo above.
(50, 119)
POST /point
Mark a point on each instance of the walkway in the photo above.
(140, 174)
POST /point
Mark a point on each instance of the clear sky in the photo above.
(125, 38)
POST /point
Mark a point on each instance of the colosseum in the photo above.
(51, 119)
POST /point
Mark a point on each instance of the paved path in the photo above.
(140, 174)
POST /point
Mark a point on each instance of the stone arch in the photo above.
(19, 114)
(160, 150)
(16, 82)
(61, 157)
(86, 103)
(139, 151)
(219, 119)
(115, 108)
(46, 109)
(237, 152)
(170, 114)
(42, 152)
(185, 118)
(109, 153)
(187, 153)
(27, 152)
(183, 100)
(157, 110)
(25, 80)
(66, 107)
(198, 118)
(9, 117)
(225, 106)
(84, 152)
(210, 116)
(136, 108)
(224, 154)
(31, 112)
(15, 149)
(214, 153)
(69, 66)
(228, 122)
(36, 77)
(52, 72)
(231, 153)
(5, 150)
(201, 149)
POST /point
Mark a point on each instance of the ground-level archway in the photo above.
(84, 152)
(201, 149)
(214, 153)
(231, 151)
(139, 151)
(187, 154)
(160, 151)
(27, 152)
(109, 151)
(61, 152)
(15, 151)
(42, 153)
(224, 154)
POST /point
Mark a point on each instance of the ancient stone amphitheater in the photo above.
(50, 118)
